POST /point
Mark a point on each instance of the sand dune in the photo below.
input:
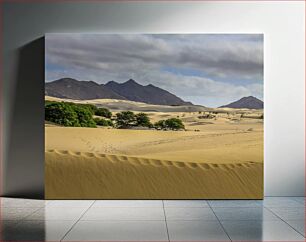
(114, 163)
(124, 105)
(226, 146)
(220, 156)
(71, 174)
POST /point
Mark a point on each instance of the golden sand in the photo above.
(215, 158)
(85, 175)
(222, 160)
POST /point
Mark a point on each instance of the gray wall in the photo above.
(23, 74)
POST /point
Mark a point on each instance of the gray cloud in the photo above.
(208, 66)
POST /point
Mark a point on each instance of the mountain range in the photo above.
(246, 102)
(129, 90)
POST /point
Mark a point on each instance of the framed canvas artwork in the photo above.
(154, 116)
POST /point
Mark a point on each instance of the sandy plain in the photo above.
(215, 158)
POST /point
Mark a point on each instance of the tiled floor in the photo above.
(274, 219)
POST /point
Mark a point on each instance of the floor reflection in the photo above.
(274, 219)
(25, 230)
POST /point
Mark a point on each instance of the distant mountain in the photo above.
(129, 90)
(80, 90)
(246, 102)
(133, 91)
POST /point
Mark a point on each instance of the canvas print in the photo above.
(154, 116)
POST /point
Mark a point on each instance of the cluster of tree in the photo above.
(87, 115)
(128, 119)
(76, 115)
(207, 116)
(103, 122)
(171, 123)
(252, 116)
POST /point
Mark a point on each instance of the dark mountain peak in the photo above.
(64, 80)
(91, 83)
(249, 98)
(80, 90)
(151, 85)
(131, 82)
(246, 102)
(134, 91)
(111, 83)
(129, 90)
(68, 81)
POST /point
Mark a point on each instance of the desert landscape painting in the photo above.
(154, 116)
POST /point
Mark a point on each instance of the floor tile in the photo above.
(300, 200)
(5, 224)
(244, 214)
(196, 231)
(22, 203)
(7, 227)
(261, 231)
(290, 213)
(235, 203)
(140, 220)
(185, 203)
(70, 203)
(57, 213)
(298, 225)
(189, 214)
(128, 203)
(124, 214)
(39, 230)
(118, 231)
(281, 202)
(16, 213)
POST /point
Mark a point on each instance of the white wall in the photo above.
(283, 25)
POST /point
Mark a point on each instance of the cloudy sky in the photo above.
(207, 69)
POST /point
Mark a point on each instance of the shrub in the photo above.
(92, 108)
(206, 116)
(143, 120)
(125, 119)
(172, 124)
(160, 124)
(70, 114)
(103, 122)
(103, 112)
(84, 115)
(61, 113)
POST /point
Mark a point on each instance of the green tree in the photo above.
(103, 122)
(84, 115)
(61, 113)
(70, 114)
(143, 120)
(92, 108)
(160, 124)
(174, 124)
(103, 112)
(125, 119)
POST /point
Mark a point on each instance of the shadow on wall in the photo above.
(25, 154)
